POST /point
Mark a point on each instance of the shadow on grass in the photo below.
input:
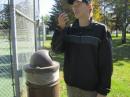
(7, 72)
(121, 52)
(56, 57)
(5, 59)
(49, 38)
(6, 68)
(59, 58)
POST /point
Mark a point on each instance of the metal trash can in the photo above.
(42, 75)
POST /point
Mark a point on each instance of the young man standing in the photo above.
(87, 52)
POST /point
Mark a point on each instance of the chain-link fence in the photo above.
(25, 34)
(14, 53)
(6, 78)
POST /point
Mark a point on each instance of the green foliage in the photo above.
(59, 7)
(45, 19)
(4, 19)
(4, 24)
(120, 13)
(97, 13)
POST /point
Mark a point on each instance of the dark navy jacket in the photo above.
(87, 56)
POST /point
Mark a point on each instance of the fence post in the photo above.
(14, 47)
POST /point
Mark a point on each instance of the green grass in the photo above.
(121, 68)
(23, 46)
(6, 89)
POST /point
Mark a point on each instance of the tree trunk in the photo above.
(116, 33)
(124, 36)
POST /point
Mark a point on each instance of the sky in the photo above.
(45, 6)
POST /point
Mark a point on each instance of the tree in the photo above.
(4, 19)
(45, 19)
(120, 10)
(59, 7)
(97, 11)
(120, 13)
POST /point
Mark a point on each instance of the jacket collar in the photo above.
(89, 27)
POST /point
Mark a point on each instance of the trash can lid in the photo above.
(41, 58)
(40, 70)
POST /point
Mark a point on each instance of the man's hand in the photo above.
(62, 20)
(99, 95)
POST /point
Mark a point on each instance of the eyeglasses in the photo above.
(76, 4)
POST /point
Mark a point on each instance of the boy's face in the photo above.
(80, 9)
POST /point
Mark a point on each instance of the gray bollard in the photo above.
(42, 75)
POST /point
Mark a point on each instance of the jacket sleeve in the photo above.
(57, 44)
(105, 67)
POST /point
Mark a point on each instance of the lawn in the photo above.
(121, 64)
(6, 89)
(120, 78)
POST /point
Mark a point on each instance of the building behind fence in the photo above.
(19, 22)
